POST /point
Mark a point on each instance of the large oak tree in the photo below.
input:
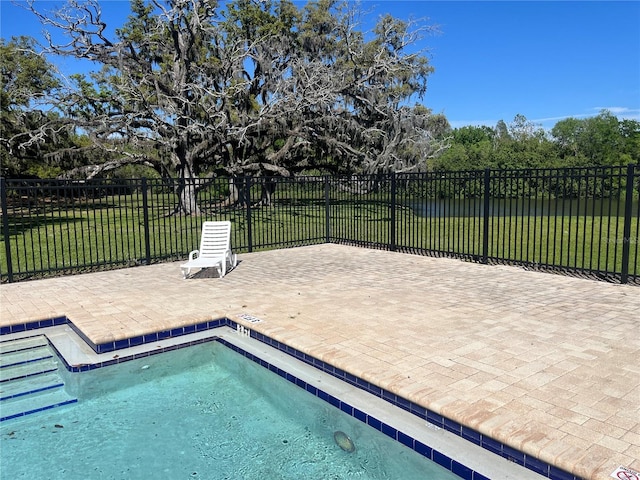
(25, 119)
(257, 87)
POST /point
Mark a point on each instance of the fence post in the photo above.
(392, 232)
(327, 209)
(626, 236)
(485, 215)
(145, 216)
(5, 227)
(247, 197)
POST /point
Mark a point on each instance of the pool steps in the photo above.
(29, 378)
(23, 344)
(25, 357)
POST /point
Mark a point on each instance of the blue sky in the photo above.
(494, 60)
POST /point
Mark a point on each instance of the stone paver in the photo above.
(547, 364)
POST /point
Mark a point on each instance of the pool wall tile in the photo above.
(334, 401)
(479, 476)
(436, 419)
(513, 455)
(424, 450)
(462, 471)
(453, 427)
(442, 460)
(440, 421)
(152, 337)
(406, 440)
(360, 415)
(389, 397)
(163, 335)
(377, 391)
(389, 431)
(5, 330)
(471, 435)
(536, 465)
(403, 403)
(346, 408)
(176, 332)
(491, 445)
(23, 327)
(374, 422)
(418, 411)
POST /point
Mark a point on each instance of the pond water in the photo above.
(519, 207)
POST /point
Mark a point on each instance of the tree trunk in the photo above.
(268, 188)
(187, 193)
(237, 193)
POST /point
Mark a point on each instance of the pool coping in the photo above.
(206, 327)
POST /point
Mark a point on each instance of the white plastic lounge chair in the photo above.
(215, 249)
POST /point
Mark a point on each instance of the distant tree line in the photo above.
(599, 140)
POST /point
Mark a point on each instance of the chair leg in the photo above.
(232, 258)
(185, 273)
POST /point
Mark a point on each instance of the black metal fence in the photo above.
(579, 221)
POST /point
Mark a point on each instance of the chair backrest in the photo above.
(215, 240)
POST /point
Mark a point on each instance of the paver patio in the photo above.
(547, 364)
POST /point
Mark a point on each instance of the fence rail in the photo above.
(579, 221)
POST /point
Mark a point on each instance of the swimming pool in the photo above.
(370, 409)
(199, 412)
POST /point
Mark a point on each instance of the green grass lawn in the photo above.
(576, 242)
(92, 234)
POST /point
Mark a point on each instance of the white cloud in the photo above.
(474, 123)
(620, 112)
(557, 119)
(614, 110)
(623, 113)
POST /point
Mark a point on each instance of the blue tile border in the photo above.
(23, 327)
(117, 344)
(117, 359)
(434, 418)
(35, 390)
(26, 362)
(37, 410)
(33, 374)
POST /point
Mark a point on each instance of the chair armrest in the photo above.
(193, 254)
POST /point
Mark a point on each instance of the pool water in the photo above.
(203, 412)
